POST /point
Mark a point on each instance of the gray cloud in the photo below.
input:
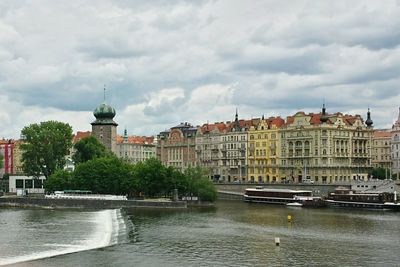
(165, 62)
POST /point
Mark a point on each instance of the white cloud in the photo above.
(194, 61)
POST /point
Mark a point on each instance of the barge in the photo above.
(349, 198)
(282, 197)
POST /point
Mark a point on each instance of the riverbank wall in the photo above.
(85, 203)
(320, 190)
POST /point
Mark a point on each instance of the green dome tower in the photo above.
(104, 127)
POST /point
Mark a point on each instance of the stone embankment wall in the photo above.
(318, 190)
(84, 203)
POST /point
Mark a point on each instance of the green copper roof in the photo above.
(104, 114)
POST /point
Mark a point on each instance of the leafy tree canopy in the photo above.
(60, 180)
(107, 175)
(380, 173)
(199, 185)
(89, 148)
(110, 175)
(45, 146)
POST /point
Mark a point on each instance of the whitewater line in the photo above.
(107, 225)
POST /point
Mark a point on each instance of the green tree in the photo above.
(176, 180)
(199, 185)
(152, 177)
(89, 148)
(45, 146)
(380, 173)
(205, 190)
(1, 161)
(60, 180)
(107, 175)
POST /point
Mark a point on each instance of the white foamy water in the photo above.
(104, 227)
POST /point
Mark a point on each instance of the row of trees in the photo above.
(382, 173)
(110, 175)
(46, 145)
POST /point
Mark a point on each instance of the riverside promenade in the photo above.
(85, 203)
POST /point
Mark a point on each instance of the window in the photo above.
(19, 183)
(38, 183)
(28, 184)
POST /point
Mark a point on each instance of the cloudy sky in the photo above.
(166, 62)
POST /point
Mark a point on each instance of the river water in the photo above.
(232, 233)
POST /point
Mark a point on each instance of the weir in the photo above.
(86, 203)
(108, 224)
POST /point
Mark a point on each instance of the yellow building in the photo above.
(263, 150)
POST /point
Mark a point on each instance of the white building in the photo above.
(27, 184)
(135, 149)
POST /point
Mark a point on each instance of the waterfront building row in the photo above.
(314, 147)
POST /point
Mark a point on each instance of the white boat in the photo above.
(83, 194)
(294, 204)
(282, 196)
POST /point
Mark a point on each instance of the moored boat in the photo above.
(294, 204)
(282, 196)
(345, 197)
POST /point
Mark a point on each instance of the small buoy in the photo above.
(289, 218)
(277, 241)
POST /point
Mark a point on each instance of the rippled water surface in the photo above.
(231, 234)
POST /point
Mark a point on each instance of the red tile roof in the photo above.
(278, 122)
(382, 134)
(315, 118)
(220, 126)
(79, 135)
(6, 141)
(136, 139)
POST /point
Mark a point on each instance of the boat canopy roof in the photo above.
(77, 191)
(280, 190)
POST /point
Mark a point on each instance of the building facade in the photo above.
(209, 148)
(7, 152)
(234, 150)
(381, 156)
(325, 148)
(26, 184)
(263, 150)
(221, 148)
(135, 149)
(176, 147)
(395, 147)
(17, 158)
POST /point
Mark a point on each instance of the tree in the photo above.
(152, 177)
(60, 180)
(1, 161)
(199, 185)
(44, 147)
(379, 173)
(89, 148)
(107, 175)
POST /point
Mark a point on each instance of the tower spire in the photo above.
(369, 121)
(104, 93)
(324, 118)
(237, 124)
(125, 135)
